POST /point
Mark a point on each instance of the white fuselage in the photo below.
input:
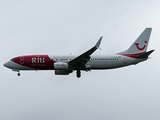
(95, 62)
(103, 61)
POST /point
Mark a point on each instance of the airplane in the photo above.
(64, 65)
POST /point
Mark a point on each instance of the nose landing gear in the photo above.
(17, 71)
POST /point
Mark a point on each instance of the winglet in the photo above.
(99, 42)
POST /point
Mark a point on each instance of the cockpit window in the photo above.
(12, 59)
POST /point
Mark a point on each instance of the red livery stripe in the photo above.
(39, 62)
(133, 55)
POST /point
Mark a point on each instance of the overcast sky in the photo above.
(71, 26)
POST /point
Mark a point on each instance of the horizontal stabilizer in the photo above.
(145, 55)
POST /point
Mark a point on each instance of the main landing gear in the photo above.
(18, 74)
(78, 73)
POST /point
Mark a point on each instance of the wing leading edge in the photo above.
(80, 61)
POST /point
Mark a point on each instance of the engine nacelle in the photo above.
(62, 72)
(61, 66)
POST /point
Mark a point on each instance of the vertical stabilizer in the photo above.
(140, 45)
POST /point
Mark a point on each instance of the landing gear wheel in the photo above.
(18, 74)
(78, 73)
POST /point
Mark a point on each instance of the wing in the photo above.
(80, 61)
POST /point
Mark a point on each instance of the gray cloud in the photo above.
(64, 27)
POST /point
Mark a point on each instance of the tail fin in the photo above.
(140, 45)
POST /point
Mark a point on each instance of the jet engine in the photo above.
(61, 66)
(62, 72)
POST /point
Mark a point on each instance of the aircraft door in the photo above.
(21, 60)
(125, 60)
